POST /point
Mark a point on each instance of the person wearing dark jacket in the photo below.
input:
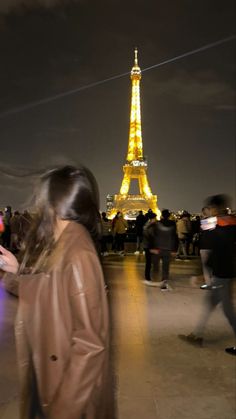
(221, 260)
(166, 243)
(150, 245)
(139, 224)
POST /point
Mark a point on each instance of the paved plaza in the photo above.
(157, 375)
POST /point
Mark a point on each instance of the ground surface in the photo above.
(158, 376)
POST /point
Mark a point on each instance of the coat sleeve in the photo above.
(89, 342)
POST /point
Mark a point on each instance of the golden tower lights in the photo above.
(136, 166)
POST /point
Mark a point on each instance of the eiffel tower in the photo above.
(136, 165)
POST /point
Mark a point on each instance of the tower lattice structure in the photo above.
(136, 165)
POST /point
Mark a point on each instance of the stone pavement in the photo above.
(158, 376)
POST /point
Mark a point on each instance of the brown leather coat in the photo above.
(62, 334)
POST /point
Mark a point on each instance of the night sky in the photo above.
(188, 106)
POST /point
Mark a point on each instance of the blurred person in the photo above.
(106, 234)
(62, 321)
(221, 260)
(183, 231)
(120, 228)
(205, 244)
(166, 243)
(150, 248)
(139, 224)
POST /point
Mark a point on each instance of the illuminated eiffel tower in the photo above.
(136, 165)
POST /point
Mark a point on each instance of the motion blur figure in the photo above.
(205, 243)
(221, 261)
(62, 325)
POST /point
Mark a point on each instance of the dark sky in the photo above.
(188, 107)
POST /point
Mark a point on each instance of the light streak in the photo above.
(49, 99)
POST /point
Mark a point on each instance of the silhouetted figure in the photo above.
(166, 243)
(150, 247)
(139, 224)
(106, 234)
(183, 230)
(120, 228)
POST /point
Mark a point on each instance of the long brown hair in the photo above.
(66, 192)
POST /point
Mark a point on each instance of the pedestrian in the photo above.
(148, 215)
(114, 236)
(62, 322)
(183, 231)
(150, 247)
(207, 224)
(106, 234)
(120, 229)
(139, 224)
(221, 260)
(166, 244)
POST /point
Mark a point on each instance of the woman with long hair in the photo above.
(62, 327)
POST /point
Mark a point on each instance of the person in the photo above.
(221, 260)
(148, 215)
(150, 247)
(204, 244)
(183, 231)
(166, 243)
(114, 235)
(106, 234)
(62, 324)
(120, 228)
(139, 224)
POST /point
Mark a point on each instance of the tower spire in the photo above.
(136, 57)
(135, 145)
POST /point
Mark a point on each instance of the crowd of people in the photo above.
(14, 228)
(116, 231)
